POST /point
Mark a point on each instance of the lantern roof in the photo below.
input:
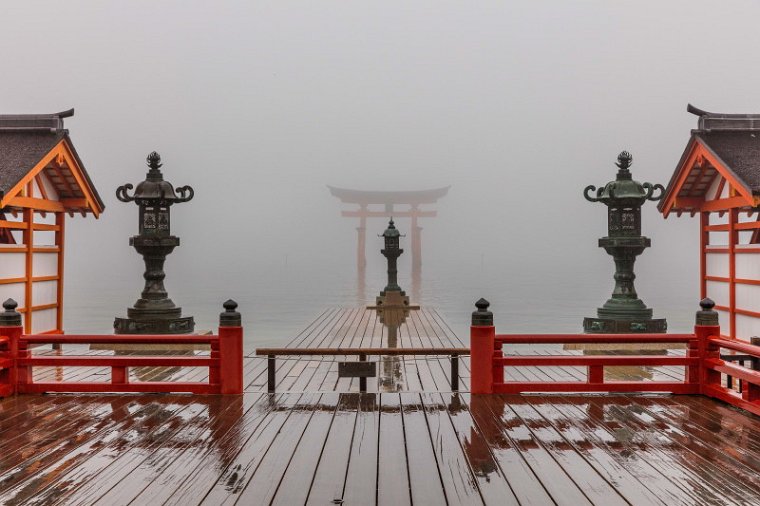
(722, 147)
(154, 187)
(34, 144)
(624, 190)
(391, 231)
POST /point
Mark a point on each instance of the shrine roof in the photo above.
(722, 145)
(389, 197)
(27, 139)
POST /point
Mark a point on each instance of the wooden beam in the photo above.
(37, 204)
(86, 190)
(45, 226)
(60, 239)
(75, 203)
(723, 204)
(29, 242)
(385, 214)
(17, 225)
(10, 281)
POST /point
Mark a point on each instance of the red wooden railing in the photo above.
(225, 362)
(704, 369)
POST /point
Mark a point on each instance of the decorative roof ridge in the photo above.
(712, 121)
(34, 122)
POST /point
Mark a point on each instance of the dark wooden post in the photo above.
(362, 379)
(482, 334)
(454, 372)
(271, 368)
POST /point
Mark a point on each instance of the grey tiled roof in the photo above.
(20, 151)
(739, 150)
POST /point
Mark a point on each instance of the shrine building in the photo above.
(718, 178)
(42, 179)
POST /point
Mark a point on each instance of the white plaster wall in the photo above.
(718, 292)
(12, 265)
(44, 292)
(44, 320)
(748, 266)
(44, 238)
(718, 238)
(747, 326)
(44, 264)
(723, 320)
(717, 264)
(13, 291)
(710, 194)
(717, 219)
(49, 188)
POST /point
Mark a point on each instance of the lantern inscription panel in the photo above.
(624, 222)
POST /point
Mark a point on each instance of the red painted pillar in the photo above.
(482, 334)
(230, 350)
(706, 326)
(12, 328)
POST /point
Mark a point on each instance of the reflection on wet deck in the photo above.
(411, 441)
(389, 448)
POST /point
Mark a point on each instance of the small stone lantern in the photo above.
(154, 312)
(624, 312)
(392, 295)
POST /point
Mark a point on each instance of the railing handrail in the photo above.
(594, 360)
(121, 361)
(736, 345)
(362, 351)
(592, 338)
(117, 339)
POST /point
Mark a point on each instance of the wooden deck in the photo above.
(409, 441)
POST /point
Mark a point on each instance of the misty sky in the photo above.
(259, 105)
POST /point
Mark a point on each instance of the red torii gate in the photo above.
(389, 200)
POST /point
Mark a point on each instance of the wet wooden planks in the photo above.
(392, 448)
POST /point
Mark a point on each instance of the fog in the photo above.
(259, 105)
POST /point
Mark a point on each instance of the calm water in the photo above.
(277, 301)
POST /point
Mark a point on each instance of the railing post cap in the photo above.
(10, 317)
(707, 315)
(482, 317)
(230, 317)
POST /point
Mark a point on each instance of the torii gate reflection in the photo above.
(389, 200)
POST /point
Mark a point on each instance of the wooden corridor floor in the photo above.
(409, 441)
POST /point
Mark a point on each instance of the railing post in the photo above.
(10, 326)
(271, 378)
(482, 338)
(119, 375)
(455, 372)
(707, 325)
(230, 350)
(362, 379)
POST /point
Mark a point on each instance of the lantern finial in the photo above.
(625, 160)
(154, 160)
